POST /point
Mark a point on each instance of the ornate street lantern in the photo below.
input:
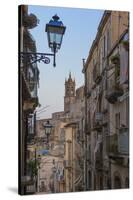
(55, 31)
(48, 129)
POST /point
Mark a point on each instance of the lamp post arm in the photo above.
(32, 57)
(54, 64)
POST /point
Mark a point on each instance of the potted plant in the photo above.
(126, 44)
(115, 59)
(33, 167)
(30, 21)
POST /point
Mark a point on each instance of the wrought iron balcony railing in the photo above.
(114, 90)
(27, 180)
(97, 123)
(118, 144)
(96, 73)
(87, 128)
(31, 79)
(98, 160)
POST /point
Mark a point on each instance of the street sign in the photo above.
(43, 152)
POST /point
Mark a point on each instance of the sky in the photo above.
(81, 28)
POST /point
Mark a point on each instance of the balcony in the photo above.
(27, 180)
(98, 161)
(30, 138)
(88, 94)
(97, 126)
(118, 144)
(68, 164)
(30, 104)
(30, 21)
(96, 74)
(113, 91)
(87, 129)
(30, 78)
(105, 118)
(97, 123)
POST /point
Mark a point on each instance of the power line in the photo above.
(42, 108)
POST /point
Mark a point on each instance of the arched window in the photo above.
(117, 182)
(90, 179)
(42, 186)
(101, 182)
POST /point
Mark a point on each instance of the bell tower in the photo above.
(69, 97)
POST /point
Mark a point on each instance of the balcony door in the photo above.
(117, 182)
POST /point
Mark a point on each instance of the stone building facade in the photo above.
(28, 85)
(107, 104)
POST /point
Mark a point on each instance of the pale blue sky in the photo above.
(81, 27)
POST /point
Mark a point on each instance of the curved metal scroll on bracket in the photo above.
(31, 58)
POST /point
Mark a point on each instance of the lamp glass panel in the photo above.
(47, 130)
(55, 38)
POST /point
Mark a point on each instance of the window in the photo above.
(95, 70)
(62, 135)
(106, 130)
(69, 150)
(31, 125)
(101, 182)
(100, 104)
(28, 154)
(104, 47)
(89, 153)
(42, 186)
(117, 182)
(101, 60)
(127, 182)
(117, 120)
(108, 41)
(90, 179)
(124, 63)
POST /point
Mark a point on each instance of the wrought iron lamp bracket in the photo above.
(32, 58)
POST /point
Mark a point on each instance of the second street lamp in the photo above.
(48, 129)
